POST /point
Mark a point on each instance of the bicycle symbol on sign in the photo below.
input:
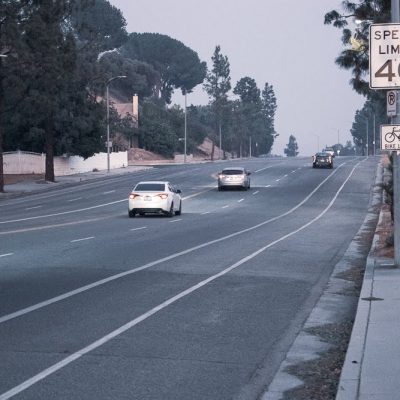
(391, 136)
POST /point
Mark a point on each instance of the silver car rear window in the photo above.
(150, 187)
(232, 172)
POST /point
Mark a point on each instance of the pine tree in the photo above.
(291, 147)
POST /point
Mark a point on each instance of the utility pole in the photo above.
(185, 146)
(396, 190)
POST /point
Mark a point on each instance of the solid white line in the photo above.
(80, 240)
(175, 220)
(110, 191)
(226, 206)
(78, 198)
(257, 191)
(6, 255)
(105, 339)
(32, 208)
(239, 201)
(138, 229)
(111, 278)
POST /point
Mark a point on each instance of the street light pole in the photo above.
(108, 117)
(185, 146)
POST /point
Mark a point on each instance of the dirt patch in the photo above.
(321, 376)
(12, 179)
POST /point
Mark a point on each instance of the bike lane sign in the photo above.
(390, 137)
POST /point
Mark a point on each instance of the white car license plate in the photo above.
(147, 198)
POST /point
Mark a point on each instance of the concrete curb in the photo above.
(348, 388)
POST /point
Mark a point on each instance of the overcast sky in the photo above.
(282, 42)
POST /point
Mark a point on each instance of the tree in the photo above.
(217, 86)
(178, 65)
(356, 56)
(291, 147)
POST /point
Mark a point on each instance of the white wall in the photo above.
(20, 162)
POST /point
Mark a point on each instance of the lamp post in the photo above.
(108, 117)
(185, 138)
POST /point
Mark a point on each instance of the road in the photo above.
(96, 305)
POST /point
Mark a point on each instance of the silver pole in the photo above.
(220, 141)
(108, 130)
(395, 8)
(374, 136)
(250, 146)
(367, 137)
(185, 148)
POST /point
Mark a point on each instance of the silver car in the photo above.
(155, 197)
(234, 177)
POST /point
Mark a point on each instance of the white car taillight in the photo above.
(163, 196)
(132, 196)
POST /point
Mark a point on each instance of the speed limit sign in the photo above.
(384, 56)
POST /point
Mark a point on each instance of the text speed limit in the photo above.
(384, 56)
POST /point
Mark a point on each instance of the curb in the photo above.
(348, 388)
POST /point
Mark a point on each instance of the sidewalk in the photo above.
(40, 185)
(372, 366)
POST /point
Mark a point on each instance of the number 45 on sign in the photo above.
(384, 56)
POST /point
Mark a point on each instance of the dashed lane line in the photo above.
(110, 191)
(6, 255)
(124, 328)
(226, 206)
(139, 229)
(115, 277)
(267, 186)
(175, 220)
(82, 239)
(78, 198)
(257, 191)
(33, 208)
(239, 201)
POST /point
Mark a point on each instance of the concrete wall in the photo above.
(21, 162)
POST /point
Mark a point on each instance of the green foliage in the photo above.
(291, 147)
(179, 66)
(356, 56)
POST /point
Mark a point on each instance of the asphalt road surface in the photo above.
(96, 305)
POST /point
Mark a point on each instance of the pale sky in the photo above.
(282, 42)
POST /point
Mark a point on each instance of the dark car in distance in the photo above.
(322, 159)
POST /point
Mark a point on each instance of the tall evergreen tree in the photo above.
(291, 147)
(217, 86)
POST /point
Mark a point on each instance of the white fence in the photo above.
(21, 162)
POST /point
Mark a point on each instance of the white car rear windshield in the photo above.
(150, 187)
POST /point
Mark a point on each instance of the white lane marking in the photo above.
(175, 220)
(257, 191)
(64, 212)
(33, 208)
(277, 180)
(239, 201)
(293, 171)
(39, 228)
(138, 229)
(111, 278)
(285, 176)
(110, 191)
(105, 339)
(262, 169)
(204, 213)
(226, 206)
(196, 194)
(6, 255)
(78, 198)
(82, 239)
(267, 186)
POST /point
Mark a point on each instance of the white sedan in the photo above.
(155, 197)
